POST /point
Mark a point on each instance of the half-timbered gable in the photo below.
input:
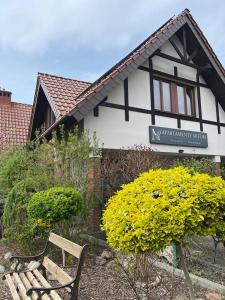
(168, 93)
(170, 90)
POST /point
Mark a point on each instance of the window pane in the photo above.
(157, 94)
(181, 100)
(189, 96)
(166, 96)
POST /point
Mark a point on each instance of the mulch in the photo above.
(100, 282)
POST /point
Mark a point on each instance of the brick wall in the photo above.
(95, 188)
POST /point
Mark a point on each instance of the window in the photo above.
(166, 96)
(173, 97)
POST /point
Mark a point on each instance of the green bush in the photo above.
(17, 229)
(199, 165)
(14, 164)
(64, 161)
(55, 205)
(15, 207)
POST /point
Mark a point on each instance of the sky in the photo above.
(82, 39)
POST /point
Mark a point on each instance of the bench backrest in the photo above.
(70, 247)
(65, 244)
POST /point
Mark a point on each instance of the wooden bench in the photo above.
(34, 285)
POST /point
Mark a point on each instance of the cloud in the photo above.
(36, 25)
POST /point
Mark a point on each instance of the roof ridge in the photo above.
(19, 103)
(124, 58)
(109, 74)
(62, 77)
(205, 40)
(166, 24)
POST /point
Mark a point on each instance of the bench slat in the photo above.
(12, 287)
(65, 244)
(35, 283)
(56, 271)
(20, 286)
(27, 284)
(45, 283)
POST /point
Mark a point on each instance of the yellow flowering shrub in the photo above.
(162, 206)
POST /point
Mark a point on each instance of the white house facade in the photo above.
(167, 94)
(114, 131)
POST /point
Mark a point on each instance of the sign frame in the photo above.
(177, 137)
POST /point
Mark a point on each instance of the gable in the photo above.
(43, 115)
(196, 47)
(124, 117)
(54, 98)
(179, 43)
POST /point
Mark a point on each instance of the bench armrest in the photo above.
(27, 258)
(23, 259)
(47, 290)
(32, 257)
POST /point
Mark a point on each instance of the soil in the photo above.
(100, 282)
(201, 259)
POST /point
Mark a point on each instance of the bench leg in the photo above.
(44, 273)
(74, 292)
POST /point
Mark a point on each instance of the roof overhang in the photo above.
(90, 98)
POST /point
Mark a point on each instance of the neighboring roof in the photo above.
(62, 91)
(14, 124)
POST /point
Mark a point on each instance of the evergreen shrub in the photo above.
(54, 205)
(163, 206)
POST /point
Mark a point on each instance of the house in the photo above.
(168, 93)
(14, 121)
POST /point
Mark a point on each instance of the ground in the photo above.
(201, 259)
(99, 282)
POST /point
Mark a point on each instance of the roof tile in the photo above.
(63, 91)
(14, 124)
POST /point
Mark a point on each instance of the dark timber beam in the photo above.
(161, 113)
(96, 109)
(218, 115)
(199, 101)
(178, 119)
(177, 60)
(193, 54)
(185, 44)
(176, 49)
(151, 90)
(172, 77)
(126, 99)
(175, 72)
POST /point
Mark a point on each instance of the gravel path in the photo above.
(4, 290)
(105, 282)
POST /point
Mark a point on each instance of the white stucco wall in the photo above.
(114, 132)
(139, 90)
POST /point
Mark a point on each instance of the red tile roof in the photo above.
(62, 91)
(14, 124)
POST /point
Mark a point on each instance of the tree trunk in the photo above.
(186, 274)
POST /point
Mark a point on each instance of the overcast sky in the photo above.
(82, 39)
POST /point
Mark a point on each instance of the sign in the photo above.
(170, 136)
